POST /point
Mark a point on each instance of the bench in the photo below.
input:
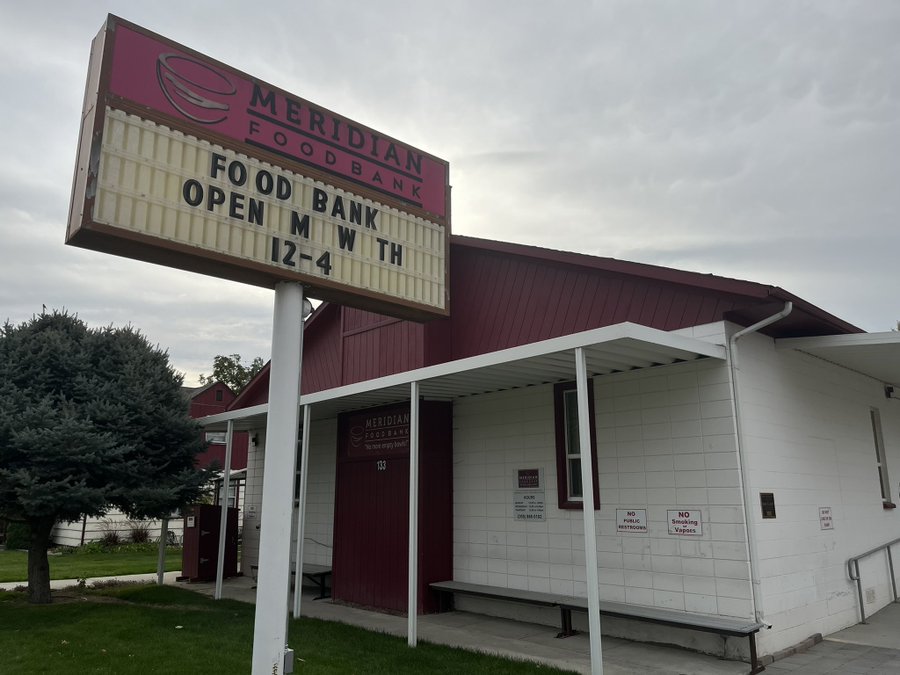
(320, 575)
(317, 574)
(723, 626)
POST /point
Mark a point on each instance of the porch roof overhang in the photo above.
(876, 355)
(619, 348)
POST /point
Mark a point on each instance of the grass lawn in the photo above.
(78, 565)
(153, 629)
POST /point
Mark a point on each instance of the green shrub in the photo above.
(18, 536)
(140, 533)
(98, 547)
(110, 539)
(92, 547)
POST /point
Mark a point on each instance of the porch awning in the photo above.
(874, 354)
(611, 349)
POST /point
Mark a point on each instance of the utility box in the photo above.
(199, 555)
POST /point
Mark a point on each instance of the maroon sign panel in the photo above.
(382, 432)
(164, 77)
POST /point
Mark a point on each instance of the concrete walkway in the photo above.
(872, 648)
(56, 584)
(507, 638)
(868, 649)
(864, 649)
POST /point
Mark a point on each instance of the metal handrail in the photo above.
(853, 572)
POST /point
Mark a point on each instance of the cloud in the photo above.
(753, 140)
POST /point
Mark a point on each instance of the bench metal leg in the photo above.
(319, 580)
(755, 666)
(565, 620)
(445, 601)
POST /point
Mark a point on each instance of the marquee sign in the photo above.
(186, 162)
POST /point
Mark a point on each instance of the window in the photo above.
(215, 437)
(232, 494)
(568, 455)
(219, 395)
(880, 459)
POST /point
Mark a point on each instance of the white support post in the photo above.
(412, 595)
(223, 509)
(301, 512)
(273, 584)
(161, 554)
(590, 534)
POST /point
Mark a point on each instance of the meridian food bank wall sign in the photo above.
(186, 162)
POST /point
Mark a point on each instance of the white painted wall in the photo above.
(665, 440)
(809, 441)
(69, 534)
(319, 530)
(256, 456)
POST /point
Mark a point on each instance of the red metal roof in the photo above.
(503, 295)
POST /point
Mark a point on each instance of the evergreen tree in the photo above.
(89, 419)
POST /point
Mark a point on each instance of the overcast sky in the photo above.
(755, 140)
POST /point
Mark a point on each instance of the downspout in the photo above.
(749, 523)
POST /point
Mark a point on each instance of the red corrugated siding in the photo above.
(504, 295)
(375, 346)
(255, 393)
(216, 453)
(205, 403)
(501, 300)
(322, 352)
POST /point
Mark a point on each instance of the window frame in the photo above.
(562, 457)
(884, 481)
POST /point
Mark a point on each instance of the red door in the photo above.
(370, 560)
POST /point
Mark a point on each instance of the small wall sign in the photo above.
(826, 522)
(633, 521)
(528, 505)
(528, 479)
(685, 523)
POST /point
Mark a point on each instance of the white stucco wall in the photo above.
(665, 441)
(809, 441)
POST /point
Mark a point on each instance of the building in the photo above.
(744, 442)
(209, 399)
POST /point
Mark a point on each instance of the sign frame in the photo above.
(685, 522)
(631, 521)
(529, 506)
(84, 232)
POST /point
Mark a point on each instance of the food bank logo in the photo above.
(195, 89)
(357, 436)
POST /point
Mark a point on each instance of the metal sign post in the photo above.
(273, 585)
